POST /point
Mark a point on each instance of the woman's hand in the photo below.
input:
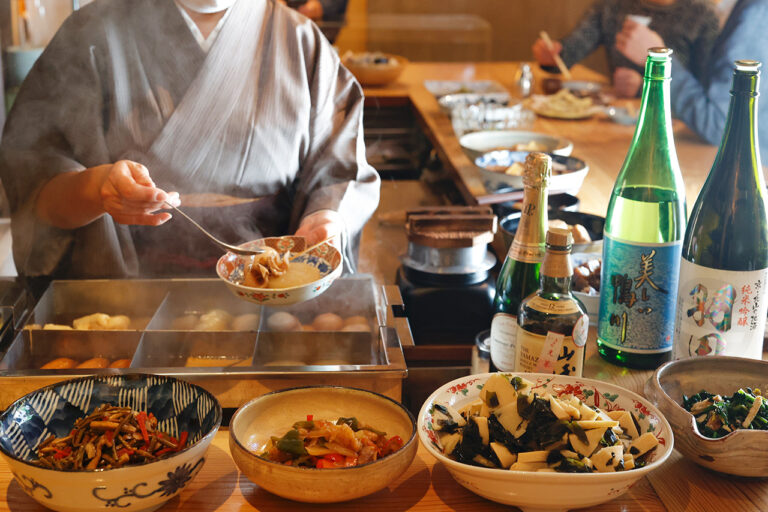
(321, 225)
(635, 39)
(626, 82)
(130, 196)
(124, 190)
(542, 53)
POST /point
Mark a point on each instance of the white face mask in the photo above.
(207, 6)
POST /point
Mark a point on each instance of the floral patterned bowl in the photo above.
(532, 491)
(178, 405)
(325, 258)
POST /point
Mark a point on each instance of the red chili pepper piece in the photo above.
(182, 440)
(162, 452)
(128, 451)
(141, 419)
(109, 435)
(334, 457)
(310, 417)
(60, 454)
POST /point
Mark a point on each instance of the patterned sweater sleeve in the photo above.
(585, 38)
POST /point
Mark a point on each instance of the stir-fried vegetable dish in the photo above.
(325, 444)
(717, 416)
(513, 426)
(109, 437)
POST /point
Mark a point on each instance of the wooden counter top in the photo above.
(600, 142)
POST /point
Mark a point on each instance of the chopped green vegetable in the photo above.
(291, 443)
(717, 416)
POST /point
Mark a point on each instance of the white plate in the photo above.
(478, 143)
(440, 88)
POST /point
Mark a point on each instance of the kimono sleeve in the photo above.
(56, 115)
(335, 174)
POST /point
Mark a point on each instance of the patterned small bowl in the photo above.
(325, 258)
(178, 405)
(533, 491)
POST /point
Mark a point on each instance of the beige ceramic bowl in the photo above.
(743, 452)
(273, 414)
(370, 74)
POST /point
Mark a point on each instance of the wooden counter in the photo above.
(600, 142)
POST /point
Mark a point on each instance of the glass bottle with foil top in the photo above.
(721, 303)
(644, 228)
(519, 276)
(552, 323)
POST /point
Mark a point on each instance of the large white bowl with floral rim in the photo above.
(325, 258)
(541, 491)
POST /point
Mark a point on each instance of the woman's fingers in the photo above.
(130, 196)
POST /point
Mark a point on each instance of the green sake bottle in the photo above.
(642, 241)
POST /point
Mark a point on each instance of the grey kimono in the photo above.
(269, 120)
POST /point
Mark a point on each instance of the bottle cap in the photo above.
(660, 51)
(559, 239)
(747, 65)
(537, 169)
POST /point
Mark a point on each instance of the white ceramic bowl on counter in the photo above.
(477, 143)
(544, 491)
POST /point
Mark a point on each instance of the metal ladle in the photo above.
(225, 246)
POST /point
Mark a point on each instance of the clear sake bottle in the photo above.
(552, 323)
(519, 276)
(722, 293)
(643, 234)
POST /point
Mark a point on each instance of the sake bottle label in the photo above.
(550, 353)
(638, 293)
(720, 312)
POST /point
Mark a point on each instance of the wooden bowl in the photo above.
(376, 74)
(273, 414)
(742, 452)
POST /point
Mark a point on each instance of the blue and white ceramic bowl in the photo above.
(568, 172)
(325, 258)
(179, 406)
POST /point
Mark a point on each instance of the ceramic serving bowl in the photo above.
(449, 102)
(478, 143)
(325, 258)
(742, 452)
(178, 405)
(273, 414)
(369, 71)
(540, 491)
(593, 223)
(568, 178)
(591, 302)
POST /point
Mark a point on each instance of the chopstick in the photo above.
(560, 64)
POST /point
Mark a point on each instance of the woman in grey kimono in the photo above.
(241, 107)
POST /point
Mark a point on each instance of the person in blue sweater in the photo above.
(702, 102)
